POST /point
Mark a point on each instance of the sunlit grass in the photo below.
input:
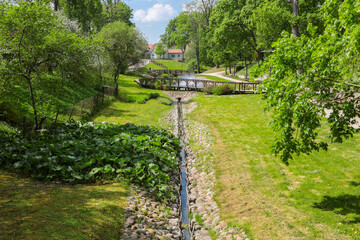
(316, 197)
(36, 210)
(173, 64)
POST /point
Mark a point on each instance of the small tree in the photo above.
(160, 50)
(123, 46)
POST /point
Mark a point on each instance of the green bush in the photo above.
(209, 89)
(164, 76)
(192, 65)
(79, 153)
(224, 89)
(154, 95)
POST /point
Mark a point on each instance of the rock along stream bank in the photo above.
(147, 218)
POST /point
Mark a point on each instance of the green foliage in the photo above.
(313, 76)
(209, 89)
(163, 76)
(165, 101)
(160, 50)
(224, 89)
(39, 58)
(89, 152)
(123, 46)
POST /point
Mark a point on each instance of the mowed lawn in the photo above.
(135, 106)
(173, 64)
(31, 209)
(315, 197)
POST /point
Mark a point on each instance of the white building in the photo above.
(173, 54)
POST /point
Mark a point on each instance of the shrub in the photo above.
(192, 65)
(164, 76)
(154, 95)
(209, 89)
(224, 89)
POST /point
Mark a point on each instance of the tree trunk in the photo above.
(295, 28)
(198, 58)
(183, 56)
(56, 5)
(225, 69)
(35, 127)
(246, 69)
(260, 55)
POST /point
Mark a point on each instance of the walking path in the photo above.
(221, 75)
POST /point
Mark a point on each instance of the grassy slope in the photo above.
(153, 66)
(36, 210)
(173, 65)
(214, 78)
(122, 112)
(316, 197)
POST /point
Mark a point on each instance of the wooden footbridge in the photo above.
(180, 84)
(168, 71)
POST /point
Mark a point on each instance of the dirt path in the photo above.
(221, 75)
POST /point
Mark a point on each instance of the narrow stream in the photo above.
(183, 194)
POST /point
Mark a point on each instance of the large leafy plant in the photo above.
(76, 152)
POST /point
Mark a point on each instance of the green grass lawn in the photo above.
(153, 66)
(214, 78)
(36, 210)
(173, 64)
(315, 197)
(135, 107)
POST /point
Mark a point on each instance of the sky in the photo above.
(152, 16)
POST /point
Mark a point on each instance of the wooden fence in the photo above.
(196, 85)
(172, 72)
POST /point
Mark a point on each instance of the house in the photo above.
(173, 54)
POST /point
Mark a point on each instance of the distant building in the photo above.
(174, 54)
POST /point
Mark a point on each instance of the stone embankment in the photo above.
(151, 219)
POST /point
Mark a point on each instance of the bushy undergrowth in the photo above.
(79, 153)
(224, 89)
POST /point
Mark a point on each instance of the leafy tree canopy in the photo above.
(327, 85)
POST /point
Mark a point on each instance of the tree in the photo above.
(177, 32)
(34, 52)
(86, 12)
(115, 10)
(327, 86)
(123, 46)
(160, 51)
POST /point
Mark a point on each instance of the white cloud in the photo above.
(157, 13)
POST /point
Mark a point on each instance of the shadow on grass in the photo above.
(343, 205)
(354, 183)
(35, 210)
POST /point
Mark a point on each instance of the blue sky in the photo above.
(152, 16)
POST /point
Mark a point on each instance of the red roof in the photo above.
(177, 51)
(151, 47)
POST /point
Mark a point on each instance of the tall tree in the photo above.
(328, 86)
(123, 46)
(177, 32)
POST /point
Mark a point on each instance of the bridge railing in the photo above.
(173, 72)
(197, 85)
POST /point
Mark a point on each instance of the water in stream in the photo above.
(183, 194)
